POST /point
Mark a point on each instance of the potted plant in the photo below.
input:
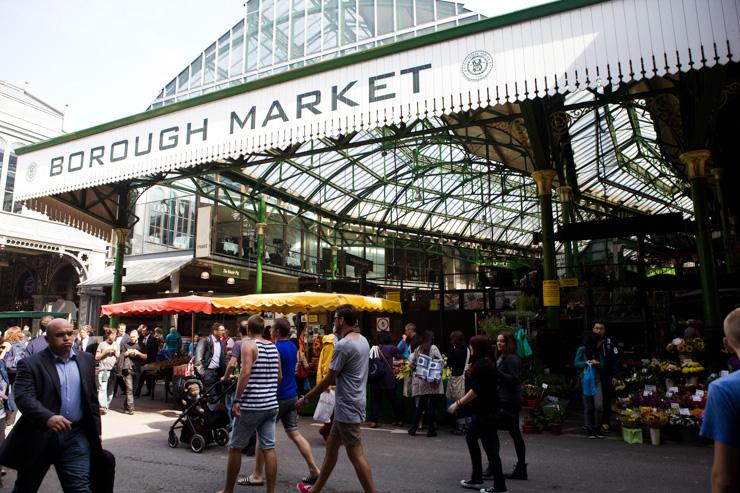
(531, 394)
(554, 418)
(655, 419)
(631, 419)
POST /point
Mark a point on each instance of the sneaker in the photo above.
(492, 489)
(471, 485)
(303, 488)
(600, 435)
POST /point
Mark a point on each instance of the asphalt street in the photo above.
(400, 463)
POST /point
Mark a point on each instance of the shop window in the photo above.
(210, 65)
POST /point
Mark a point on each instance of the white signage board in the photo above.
(503, 60)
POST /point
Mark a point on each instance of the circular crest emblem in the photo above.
(32, 171)
(477, 65)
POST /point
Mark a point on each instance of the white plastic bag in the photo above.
(325, 407)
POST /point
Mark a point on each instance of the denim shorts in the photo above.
(288, 414)
(263, 422)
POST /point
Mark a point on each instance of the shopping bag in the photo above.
(429, 369)
(523, 349)
(325, 407)
(590, 386)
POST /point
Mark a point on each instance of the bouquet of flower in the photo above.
(668, 369)
(530, 391)
(680, 346)
(630, 418)
(654, 418)
(698, 415)
(690, 368)
(697, 343)
(404, 372)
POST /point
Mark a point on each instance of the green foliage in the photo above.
(493, 326)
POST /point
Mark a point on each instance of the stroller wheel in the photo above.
(221, 436)
(197, 443)
(172, 440)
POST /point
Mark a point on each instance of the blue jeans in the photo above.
(69, 452)
(105, 391)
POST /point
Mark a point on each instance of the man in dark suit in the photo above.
(149, 346)
(210, 357)
(60, 422)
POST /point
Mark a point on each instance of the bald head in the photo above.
(732, 330)
(59, 335)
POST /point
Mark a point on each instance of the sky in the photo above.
(100, 60)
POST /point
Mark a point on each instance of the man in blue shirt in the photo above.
(722, 417)
(287, 394)
(60, 423)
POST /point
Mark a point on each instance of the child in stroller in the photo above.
(198, 425)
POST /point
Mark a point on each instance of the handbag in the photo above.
(456, 384)
(325, 407)
(376, 370)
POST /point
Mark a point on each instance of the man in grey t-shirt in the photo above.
(348, 369)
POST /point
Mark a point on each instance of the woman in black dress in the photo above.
(484, 403)
(508, 369)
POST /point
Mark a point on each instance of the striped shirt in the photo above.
(260, 394)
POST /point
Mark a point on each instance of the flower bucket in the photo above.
(556, 428)
(669, 383)
(693, 380)
(632, 435)
(531, 403)
(655, 436)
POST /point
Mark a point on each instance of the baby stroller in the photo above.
(198, 425)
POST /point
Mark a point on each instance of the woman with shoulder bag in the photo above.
(484, 403)
(508, 371)
(384, 387)
(457, 358)
(424, 391)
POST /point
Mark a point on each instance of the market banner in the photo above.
(557, 48)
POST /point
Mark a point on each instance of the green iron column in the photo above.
(261, 217)
(543, 178)
(695, 162)
(728, 238)
(121, 233)
(115, 295)
(566, 201)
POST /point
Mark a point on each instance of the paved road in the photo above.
(400, 463)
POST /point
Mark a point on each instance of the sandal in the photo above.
(248, 481)
(309, 480)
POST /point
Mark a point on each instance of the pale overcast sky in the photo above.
(108, 59)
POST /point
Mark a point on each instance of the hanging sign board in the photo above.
(203, 232)
(569, 282)
(229, 271)
(551, 293)
(393, 296)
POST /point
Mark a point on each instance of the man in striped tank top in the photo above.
(256, 406)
